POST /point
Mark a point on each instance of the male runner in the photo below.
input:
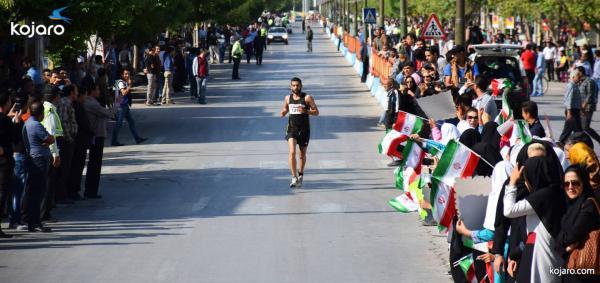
(299, 105)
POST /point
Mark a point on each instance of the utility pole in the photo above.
(381, 13)
(459, 24)
(403, 28)
(355, 17)
(366, 30)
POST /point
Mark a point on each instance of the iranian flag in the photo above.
(404, 203)
(457, 161)
(522, 131)
(405, 176)
(499, 84)
(390, 142)
(467, 266)
(413, 156)
(399, 174)
(407, 123)
(443, 203)
(409, 180)
(505, 113)
(505, 130)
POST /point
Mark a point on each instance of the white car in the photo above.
(277, 34)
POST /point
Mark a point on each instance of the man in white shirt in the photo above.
(550, 53)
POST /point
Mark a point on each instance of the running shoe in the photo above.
(300, 178)
(294, 182)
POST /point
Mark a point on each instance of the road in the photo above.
(206, 199)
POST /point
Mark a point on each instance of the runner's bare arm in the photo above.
(285, 108)
(313, 110)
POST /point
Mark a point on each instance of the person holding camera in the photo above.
(429, 86)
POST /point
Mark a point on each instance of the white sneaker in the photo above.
(300, 180)
(294, 182)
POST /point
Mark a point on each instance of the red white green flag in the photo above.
(390, 142)
(522, 131)
(443, 203)
(407, 123)
(467, 266)
(399, 174)
(413, 156)
(457, 161)
(499, 84)
(505, 113)
(405, 177)
(404, 203)
(505, 130)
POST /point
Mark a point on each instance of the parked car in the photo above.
(503, 61)
(277, 34)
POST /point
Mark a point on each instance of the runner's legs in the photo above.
(303, 150)
(292, 155)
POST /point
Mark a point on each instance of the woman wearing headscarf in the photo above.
(543, 208)
(581, 217)
(581, 153)
(490, 135)
(470, 137)
(488, 155)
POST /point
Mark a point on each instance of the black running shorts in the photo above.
(301, 137)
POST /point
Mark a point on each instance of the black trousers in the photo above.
(365, 72)
(236, 68)
(530, 76)
(77, 165)
(259, 55)
(586, 120)
(5, 185)
(571, 125)
(48, 199)
(550, 69)
(94, 167)
(66, 160)
(36, 184)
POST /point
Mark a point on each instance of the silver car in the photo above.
(277, 34)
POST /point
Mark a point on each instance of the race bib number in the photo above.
(296, 109)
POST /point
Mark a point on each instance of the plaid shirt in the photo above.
(67, 118)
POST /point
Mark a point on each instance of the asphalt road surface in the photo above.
(207, 198)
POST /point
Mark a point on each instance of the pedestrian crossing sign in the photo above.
(433, 29)
(370, 15)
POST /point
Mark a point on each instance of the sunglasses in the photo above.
(567, 184)
(472, 117)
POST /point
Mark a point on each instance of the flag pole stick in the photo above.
(480, 158)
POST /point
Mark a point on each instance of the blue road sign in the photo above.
(370, 15)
